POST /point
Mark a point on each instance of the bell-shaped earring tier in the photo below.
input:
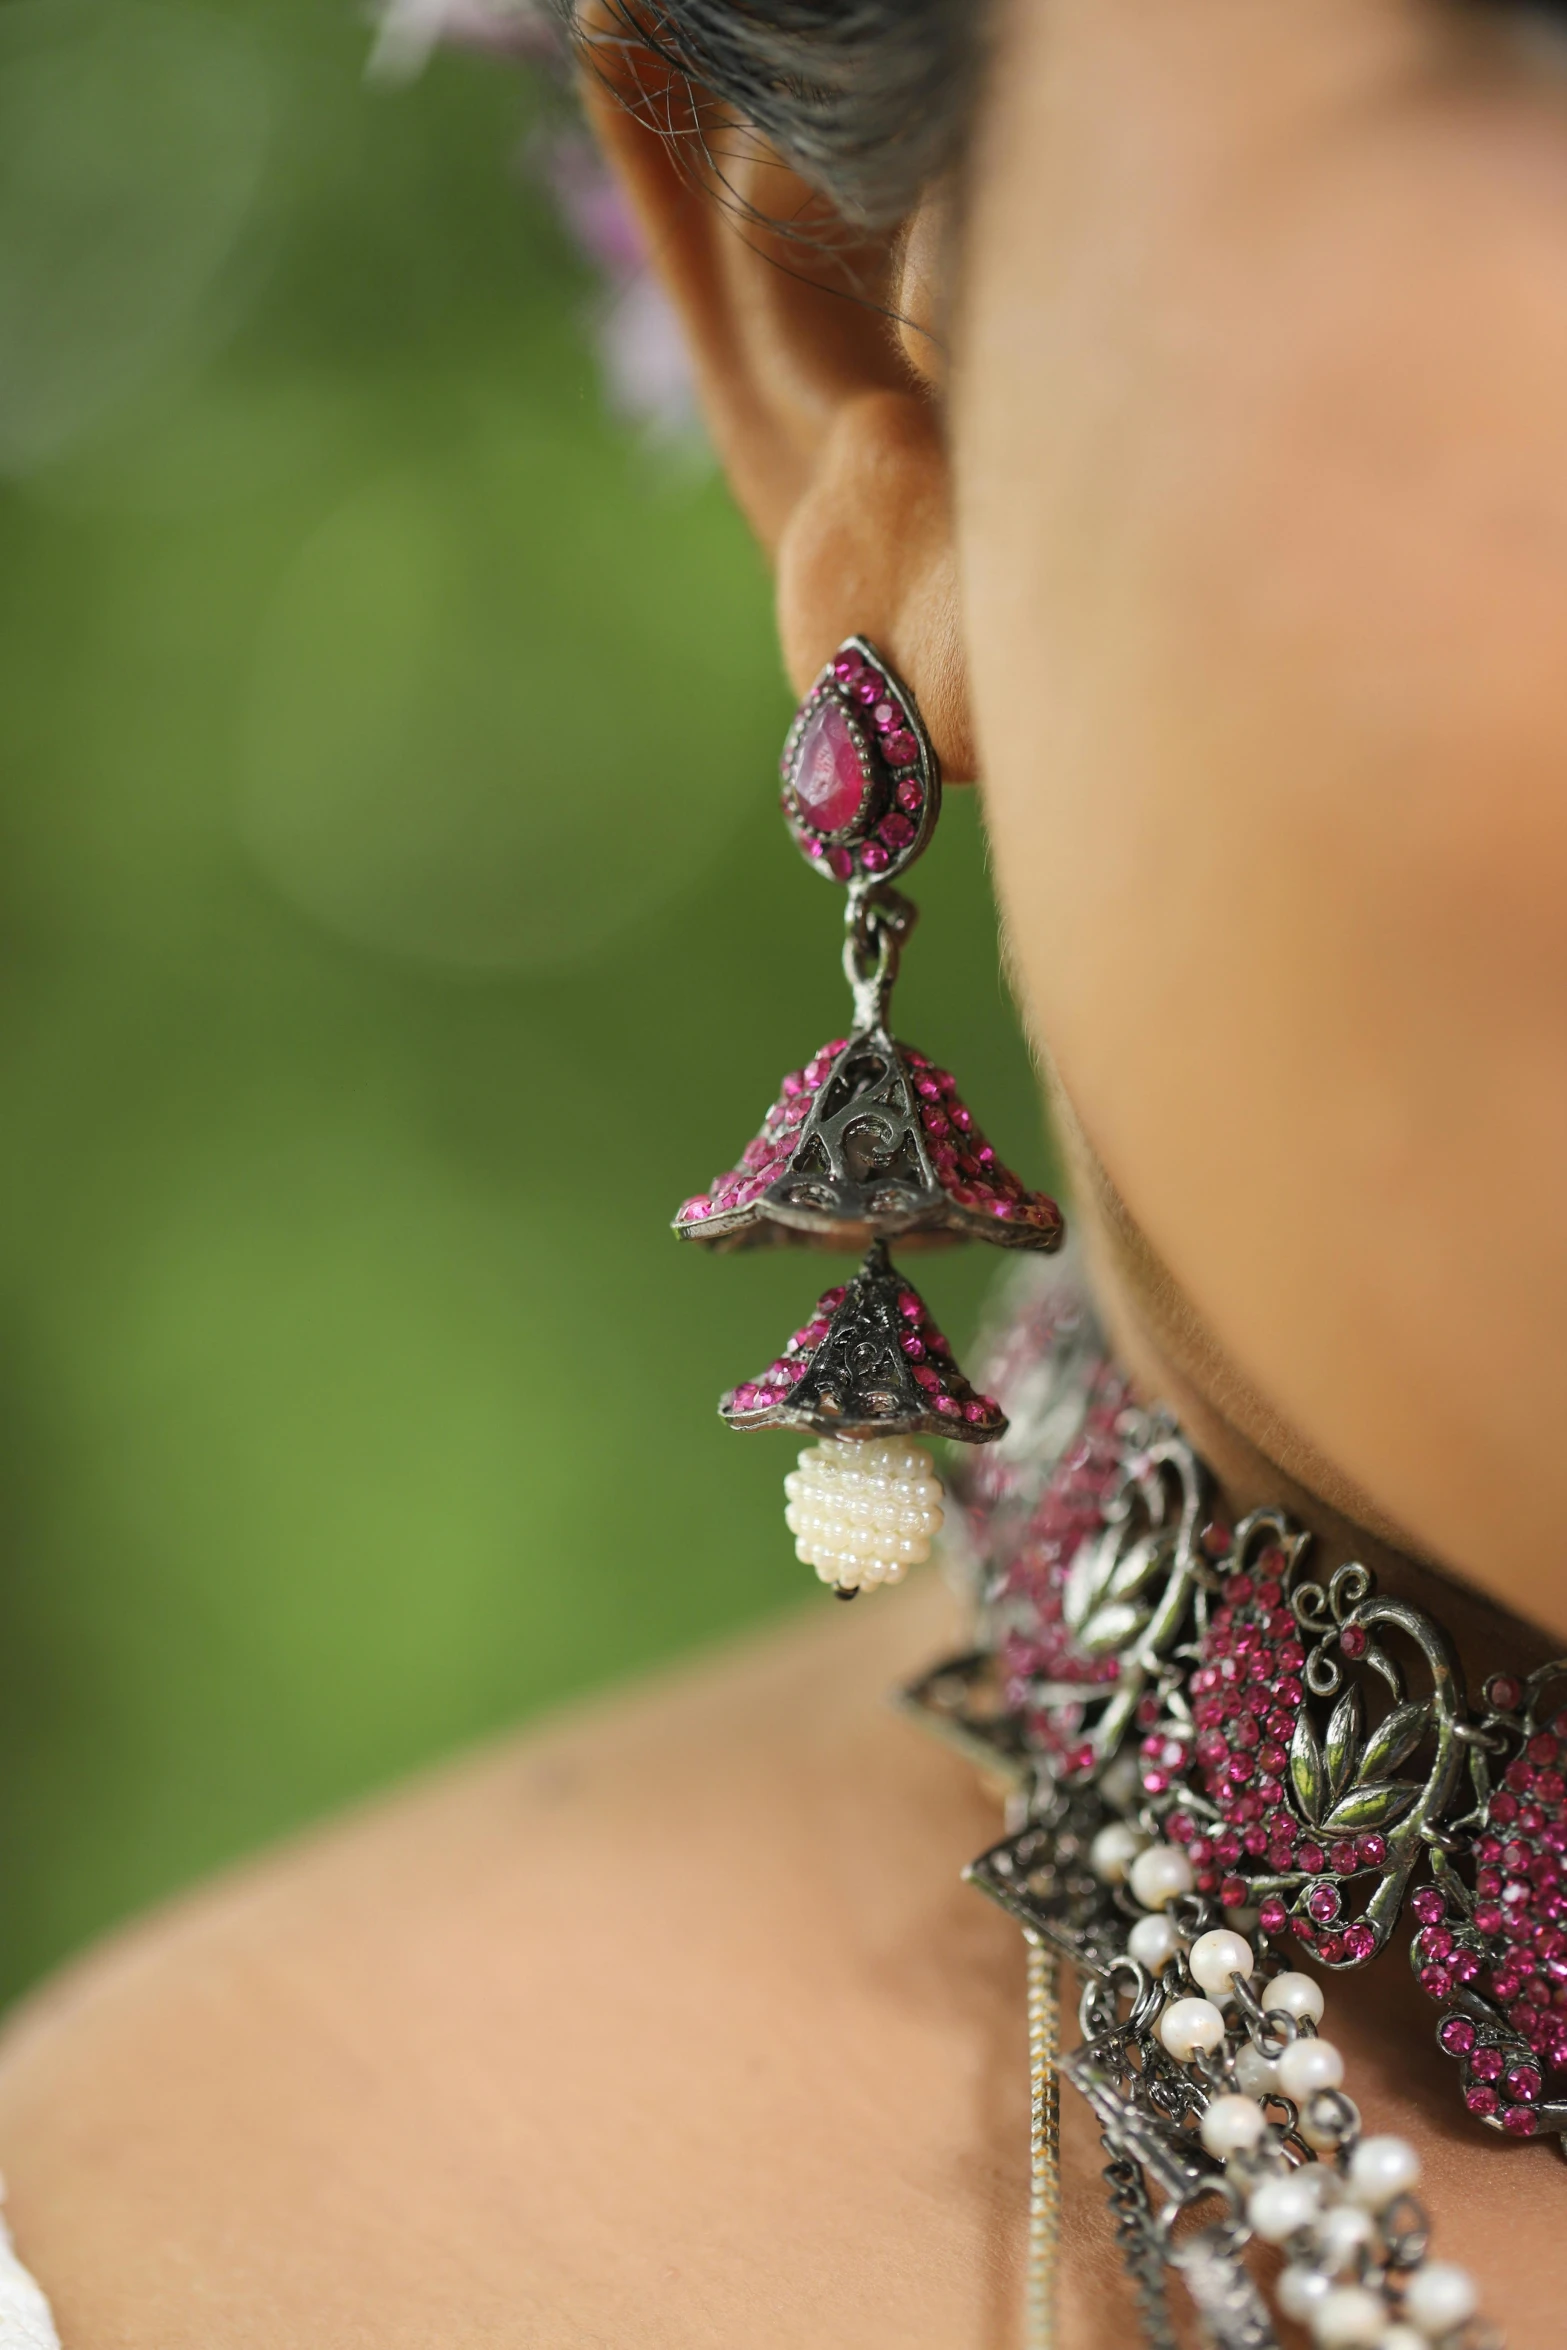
(869, 1141)
(869, 1362)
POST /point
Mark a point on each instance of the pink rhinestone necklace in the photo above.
(1223, 1763)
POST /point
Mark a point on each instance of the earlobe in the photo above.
(868, 550)
(822, 410)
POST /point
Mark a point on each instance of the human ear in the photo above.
(818, 370)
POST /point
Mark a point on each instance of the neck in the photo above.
(1256, 1458)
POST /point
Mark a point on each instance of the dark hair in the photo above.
(867, 99)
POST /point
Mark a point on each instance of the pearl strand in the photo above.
(1356, 2278)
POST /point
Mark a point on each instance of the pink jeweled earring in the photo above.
(868, 1142)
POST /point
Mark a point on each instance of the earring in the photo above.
(868, 1142)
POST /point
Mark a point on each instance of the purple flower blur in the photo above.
(642, 353)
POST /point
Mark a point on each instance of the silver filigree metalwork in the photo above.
(1303, 1750)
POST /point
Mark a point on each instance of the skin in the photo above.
(1212, 494)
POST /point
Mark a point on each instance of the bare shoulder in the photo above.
(670, 2024)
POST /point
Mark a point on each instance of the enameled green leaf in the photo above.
(1343, 1742)
(1306, 1773)
(1371, 1806)
(1392, 1740)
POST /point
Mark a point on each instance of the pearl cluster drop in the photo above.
(863, 1511)
(1328, 2216)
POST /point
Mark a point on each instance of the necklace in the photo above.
(1214, 1756)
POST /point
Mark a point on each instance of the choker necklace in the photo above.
(1216, 1761)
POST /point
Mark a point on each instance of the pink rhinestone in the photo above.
(900, 748)
(895, 830)
(1373, 1851)
(1457, 2035)
(1352, 1640)
(874, 857)
(1273, 1916)
(1481, 2101)
(910, 797)
(883, 716)
(1523, 2084)
(945, 1403)
(826, 778)
(1503, 1693)
(975, 1412)
(1520, 2122)
(1359, 1942)
(1323, 1904)
(1309, 1858)
(1488, 2064)
(848, 666)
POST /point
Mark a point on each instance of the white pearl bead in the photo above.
(1301, 2290)
(1349, 2318)
(1254, 2073)
(1114, 1849)
(1280, 2208)
(1326, 2128)
(1232, 2125)
(1295, 1995)
(862, 1513)
(1153, 1942)
(1160, 1875)
(1121, 1782)
(1189, 2027)
(1401, 2338)
(1382, 2169)
(1217, 1958)
(1439, 2297)
(1342, 2233)
(1307, 2066)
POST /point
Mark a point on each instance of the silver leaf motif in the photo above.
(1307, 1776)
(1342, 1741)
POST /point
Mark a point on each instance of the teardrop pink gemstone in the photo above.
(829, 784)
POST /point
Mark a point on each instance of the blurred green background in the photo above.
(394, 923)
